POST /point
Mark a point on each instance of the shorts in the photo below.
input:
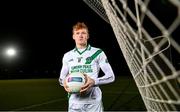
(94, 107)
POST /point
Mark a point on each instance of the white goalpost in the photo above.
(147, 33)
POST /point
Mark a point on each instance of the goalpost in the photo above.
(147, 33)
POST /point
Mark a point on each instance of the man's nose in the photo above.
(81, 35)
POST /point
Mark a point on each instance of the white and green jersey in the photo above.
(89, 61)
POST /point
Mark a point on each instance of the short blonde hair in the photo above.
(80, 25)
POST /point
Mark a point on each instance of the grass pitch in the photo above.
(48, 95)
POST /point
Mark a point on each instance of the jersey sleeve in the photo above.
(108, 76)
(64, 70)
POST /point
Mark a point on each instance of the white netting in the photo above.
(147, 33)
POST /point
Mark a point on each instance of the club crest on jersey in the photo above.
(89, 59)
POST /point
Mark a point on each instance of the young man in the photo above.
(88, 60)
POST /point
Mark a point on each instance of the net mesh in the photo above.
(147, 33)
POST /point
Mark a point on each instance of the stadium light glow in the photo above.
(11, 52)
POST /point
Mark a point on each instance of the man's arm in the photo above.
(108, 76)
(64, 71)
(63, 74)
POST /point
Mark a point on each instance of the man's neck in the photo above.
(81, 46)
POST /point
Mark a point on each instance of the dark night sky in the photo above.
(41, 31)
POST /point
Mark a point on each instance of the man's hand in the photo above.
(89, 83)
(66, 87)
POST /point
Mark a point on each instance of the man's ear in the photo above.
(73, 36)
(88, 37)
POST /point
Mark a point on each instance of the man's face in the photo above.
(80, 36)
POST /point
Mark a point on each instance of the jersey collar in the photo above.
(87, 48)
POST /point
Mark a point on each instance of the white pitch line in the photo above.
(39, 104)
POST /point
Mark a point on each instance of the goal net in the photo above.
(147, 33)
